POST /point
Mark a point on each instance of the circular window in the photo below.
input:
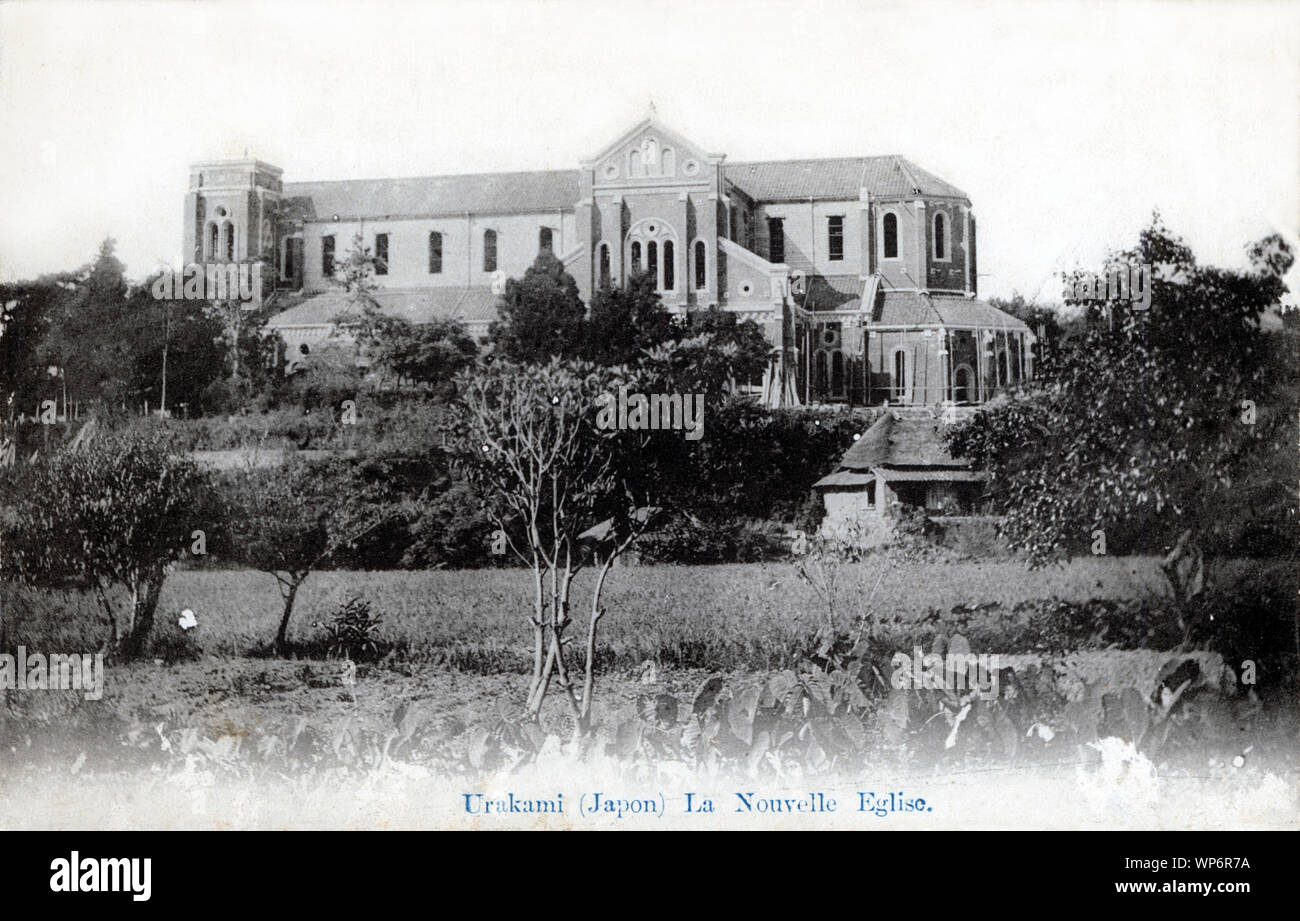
(651, 228)
(746, 288)
(691, 167)
(221, 212)
(611, 170)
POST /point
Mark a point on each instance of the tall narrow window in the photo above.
(288, 258)
(228, 231)
(544, 238)
(701, 265)
(435, 253)
(889, 235)
(327, 256)
(670, 270)
(604, 265)
(940, 235)
(636, 256)
(837, 373)
(211, 251)
(652, 259)
(775, 239)
(900, 375)
(835, 238)
(669, 161)
(381, 254)
(489, 251)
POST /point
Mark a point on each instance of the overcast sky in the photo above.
(1066, 124)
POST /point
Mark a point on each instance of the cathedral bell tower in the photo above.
(230, 212)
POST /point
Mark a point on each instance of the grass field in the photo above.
(727, 616)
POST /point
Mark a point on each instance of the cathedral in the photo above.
(860, 270)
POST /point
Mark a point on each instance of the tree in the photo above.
(563, 492)
(115, 513)
(710, 354)
(88, 335)
(26, 309)
(1136, 434)
(627, 321)
(541, 315)
(289, 521)
(430, 354)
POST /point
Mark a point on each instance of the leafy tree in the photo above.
(627, 321)
(115, 513)
(1137, 432)
(289, 521)
(711, 353)
(85, 335)
(541, 315)
(430, 354)
(563, 492)
(26, 309)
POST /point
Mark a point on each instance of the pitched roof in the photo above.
(840, 179)
(422, 196)
(910, 308)
(894, 442)
(475, 306)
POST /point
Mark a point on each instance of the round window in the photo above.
(691, 167)
(652, 228)
(746, 288)
(611, 170)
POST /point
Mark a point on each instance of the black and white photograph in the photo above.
(664, 415)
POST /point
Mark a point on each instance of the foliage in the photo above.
(115, 513)
(1135, 428)
(541, 315)
(351, 632)
(290, 520)
(626, 321)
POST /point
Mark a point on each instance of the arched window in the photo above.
(228, 233)
(889, 235)
(489, 251)
(604, 265)
(286, 264)
(961, 384)
(435, 253)
(901, 391)
(210, 248)
(669, 160)
(701, 265)
(544, 238)
(940, 235)
(670, 270)
(635, 168)
(636, 256)
(652, 259)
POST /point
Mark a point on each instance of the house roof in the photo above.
(840, 179)
(910, 308)
(477, 193)
(894, 442)
(475, 306)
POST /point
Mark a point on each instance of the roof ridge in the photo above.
(518, 172)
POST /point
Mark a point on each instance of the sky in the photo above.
(1065, 123)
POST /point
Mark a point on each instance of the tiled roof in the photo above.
(910, 308)
(475, 306)
(478, 193)
(837, 179)
(894, 442)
